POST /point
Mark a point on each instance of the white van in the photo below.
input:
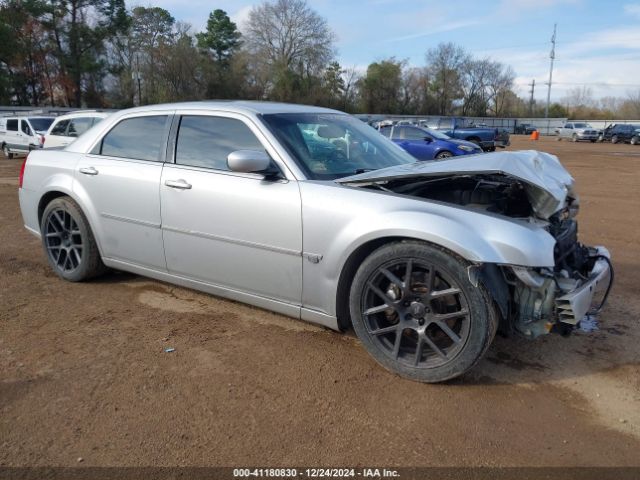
(21, 134)
(66, 128)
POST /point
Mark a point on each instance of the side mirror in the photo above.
(251, 161)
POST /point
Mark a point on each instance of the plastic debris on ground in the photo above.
(169, 350)
(589, 324)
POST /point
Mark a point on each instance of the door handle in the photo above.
(179, 184)
(89, 171)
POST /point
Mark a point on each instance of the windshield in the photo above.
(581, 125)
(437, 134)
(41, 124)
(329, 146)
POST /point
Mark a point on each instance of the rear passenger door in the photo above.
(119, 182)
(229, 229)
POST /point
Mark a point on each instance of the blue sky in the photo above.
(598, 42)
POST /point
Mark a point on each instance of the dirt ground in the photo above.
(83, 372)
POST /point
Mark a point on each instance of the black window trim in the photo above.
(165, 137)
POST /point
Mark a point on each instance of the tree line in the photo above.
(99, 54)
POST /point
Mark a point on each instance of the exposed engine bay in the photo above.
(539, 300)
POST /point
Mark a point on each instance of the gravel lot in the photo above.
(83, 373)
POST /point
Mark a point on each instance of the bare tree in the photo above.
(500, 85)
(290, 41)
(445, 64)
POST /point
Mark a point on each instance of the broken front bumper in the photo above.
(573, 306)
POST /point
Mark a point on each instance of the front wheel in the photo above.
(614, 139)
(574, 138)
(635, 140)
(444, 154)
(416, 312)
(6, 152)
(68, 241)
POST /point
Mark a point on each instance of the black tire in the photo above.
(68, 241)
(6, 152)
(415, 313)
(444, 154)
(614, 139)
(635, 140)
(593, 141)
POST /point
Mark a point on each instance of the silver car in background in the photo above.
(577, 131)
(311, 213)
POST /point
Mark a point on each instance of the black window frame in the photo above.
(162, 153)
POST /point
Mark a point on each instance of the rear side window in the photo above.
(140, 138)
(24, 126)
(12, 125)
(207, 141)
(60, 128)
(78, 126)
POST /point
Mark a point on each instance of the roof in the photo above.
(239, 106)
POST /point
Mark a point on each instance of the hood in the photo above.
(546, 182)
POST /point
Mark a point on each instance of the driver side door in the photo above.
(414, 141)
(236, 231)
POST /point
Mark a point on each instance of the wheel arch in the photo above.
(488, 274)
(57, 192)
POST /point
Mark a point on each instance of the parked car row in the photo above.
(21, 134)
(614, 133)
(487, 138)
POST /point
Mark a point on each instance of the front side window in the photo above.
(60, 128)
(205, 141)
(411, 133)
(341, 145)
(78, 126)
(138, 138)
(24, 126)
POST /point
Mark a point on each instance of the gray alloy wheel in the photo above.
(68, 242)
(416, 312)
(444, 154)
(614, 139)
(7, 153)
(635, 140)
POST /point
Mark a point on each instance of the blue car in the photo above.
(427, 144)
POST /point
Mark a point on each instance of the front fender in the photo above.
(338, 221)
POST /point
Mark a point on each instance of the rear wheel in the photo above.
(68, 241)
(416, 312)
(6, 152)
(635, 140)
(444, 154)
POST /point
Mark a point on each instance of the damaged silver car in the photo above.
(311, 213)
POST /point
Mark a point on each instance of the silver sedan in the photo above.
(311, 213)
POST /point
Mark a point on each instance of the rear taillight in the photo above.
(21, 179)
(42, 139)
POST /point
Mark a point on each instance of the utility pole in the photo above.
(533, 88)
(552, 56)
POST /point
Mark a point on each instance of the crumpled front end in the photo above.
(527, 187)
